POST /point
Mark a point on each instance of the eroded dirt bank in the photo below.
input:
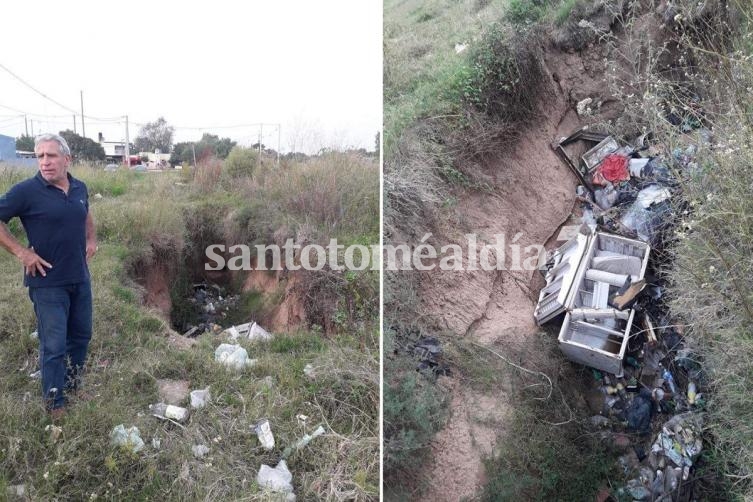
(533, 194)
(279, 293)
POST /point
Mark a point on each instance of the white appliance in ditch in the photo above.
(587, 271)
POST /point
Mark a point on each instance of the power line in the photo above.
(11, 119)
(113, 120)
(12, 109)
(24, 82)
(194, 128)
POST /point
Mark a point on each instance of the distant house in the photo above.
(7, 148)
(114, 150)
(9, 155)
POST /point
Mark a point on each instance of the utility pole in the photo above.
(26, 125)
(83, 127)
(278, 145)
(74, 123)
(194, 154)
(127, 146)
(261, 135)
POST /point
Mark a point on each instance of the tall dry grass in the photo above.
(693, 93)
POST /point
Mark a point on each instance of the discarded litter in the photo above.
(624, 297)
(233, 356)
(691, 393)
(652, 194)
(579, 284)
(199, 450)
(309, 371)
(680, 439)
(640, 411)
(129, 439)
(278, 479)
(55, 432)
(169, 411)
(637, 490)
(250, 331)
(646, 215)
(636, 166)
(200, 398)
(669, 380)
(264, 433)
(613, 169)
(306, 439)
(606, 197)
(594, 156)
(211, 304)
(626, 193)
(17, 491)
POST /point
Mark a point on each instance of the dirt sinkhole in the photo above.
(195, 300)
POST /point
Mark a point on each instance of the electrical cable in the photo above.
(24, 82)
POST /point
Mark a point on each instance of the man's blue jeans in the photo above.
(64, 324)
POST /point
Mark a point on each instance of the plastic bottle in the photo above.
(669, 379)
(264, 433)
(691, 393)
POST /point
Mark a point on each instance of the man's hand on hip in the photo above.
(33, 263)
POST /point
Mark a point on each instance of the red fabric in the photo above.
(613, 168)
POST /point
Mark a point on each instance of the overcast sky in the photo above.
(315, 68)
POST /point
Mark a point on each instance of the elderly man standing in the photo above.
(53, 207)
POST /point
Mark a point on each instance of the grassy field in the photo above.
(143, 217)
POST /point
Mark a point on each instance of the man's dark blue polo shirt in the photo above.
(55, 225)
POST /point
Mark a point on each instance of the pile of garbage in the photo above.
(650, 406)
(211, 305)
(630, 190)
(426, 351)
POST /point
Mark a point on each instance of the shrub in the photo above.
(526, 11)
(504, 76)
(414, 410)
(241, 162)
(562, 13)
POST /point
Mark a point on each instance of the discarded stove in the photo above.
(591, 280)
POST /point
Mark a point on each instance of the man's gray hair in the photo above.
(43, 138)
